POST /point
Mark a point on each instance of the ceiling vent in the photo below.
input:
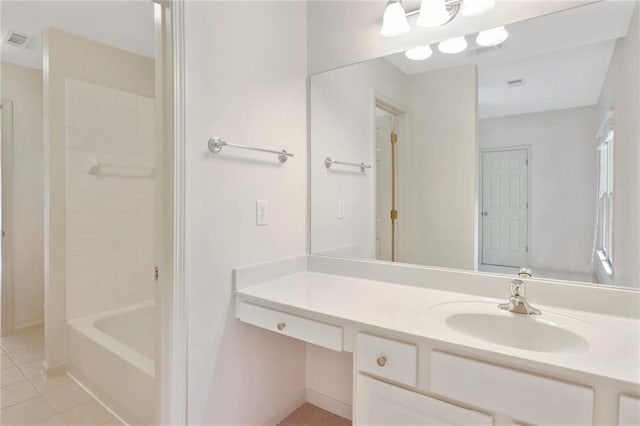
(516, 82)
(483, 50)
(16, 39)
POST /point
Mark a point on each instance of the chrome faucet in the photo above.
(518, 302)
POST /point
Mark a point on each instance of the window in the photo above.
(605, 200)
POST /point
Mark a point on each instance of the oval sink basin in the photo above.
(518, 331)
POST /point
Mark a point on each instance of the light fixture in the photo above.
(433, 13)
(476, 7)
(394, 21)
(453, 45)
(419, 53)
(492, 37)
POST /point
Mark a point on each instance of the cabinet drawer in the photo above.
(378, 403)
(629, 411)
(523, 396)
(318, 333)
(387, 358)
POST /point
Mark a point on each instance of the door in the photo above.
(504, 209)
(384, 127)
(6, 252)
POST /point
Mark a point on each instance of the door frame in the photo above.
(6, 156)
(481, 152)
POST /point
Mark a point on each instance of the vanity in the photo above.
(426, 355)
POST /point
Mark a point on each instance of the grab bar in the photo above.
(216, 144)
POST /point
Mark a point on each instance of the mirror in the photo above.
(520, 155)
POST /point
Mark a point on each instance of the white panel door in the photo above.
(504, 209)
(378, 403)
(383, 187)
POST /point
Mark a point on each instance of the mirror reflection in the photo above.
(519, 155)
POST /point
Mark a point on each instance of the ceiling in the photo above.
(128, 25)
(550, 54)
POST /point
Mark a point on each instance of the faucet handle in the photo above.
(525, 272)
(517, 288)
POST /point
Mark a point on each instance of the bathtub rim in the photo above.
(86, 326)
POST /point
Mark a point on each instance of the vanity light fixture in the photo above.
(394, 22)
(453, 45)
(419, 53)
(492, 37)
(476, 7)
(433, 13)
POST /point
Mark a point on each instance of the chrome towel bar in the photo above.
(216, 144)
(328, 162)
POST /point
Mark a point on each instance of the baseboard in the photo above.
(53, 370)
(27, 327)
(285, 411)
(325, 402)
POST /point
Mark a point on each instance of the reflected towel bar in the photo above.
(216, 144)
(97, 167)
(328, 162)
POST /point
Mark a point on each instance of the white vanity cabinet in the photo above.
(629, 411)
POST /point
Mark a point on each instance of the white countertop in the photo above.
(614, 351)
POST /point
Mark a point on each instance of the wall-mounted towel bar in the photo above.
(216, 144)
(97, 167)
(328, 162)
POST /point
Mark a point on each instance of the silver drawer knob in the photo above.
(281, 325)
(381, 361)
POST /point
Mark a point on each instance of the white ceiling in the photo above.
(128, 25)
(550, 53)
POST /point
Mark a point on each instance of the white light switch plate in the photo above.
(262, 213)
(340, 209)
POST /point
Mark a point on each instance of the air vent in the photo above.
(515, 82)
(483, 50)
(16, 39)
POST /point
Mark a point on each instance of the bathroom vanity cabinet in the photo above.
(410, 368)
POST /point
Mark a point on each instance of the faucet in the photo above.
(518, 302)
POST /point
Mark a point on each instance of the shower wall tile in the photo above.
(110, 218)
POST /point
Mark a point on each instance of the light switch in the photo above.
(340, 209)
(262, 213)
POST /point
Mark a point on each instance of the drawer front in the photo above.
(378, 403)
(629, 411)
(386, 358)
(523, 396)
(318, 333)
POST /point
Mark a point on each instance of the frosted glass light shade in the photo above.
(419, 53)
(492, 37)
(453, 45)
(394, 21)
(432, 13)
(476, 7)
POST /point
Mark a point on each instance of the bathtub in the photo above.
(112, 354)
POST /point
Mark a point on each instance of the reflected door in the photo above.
(505, 202)
(384, 127)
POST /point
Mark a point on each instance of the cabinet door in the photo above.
(378, 403)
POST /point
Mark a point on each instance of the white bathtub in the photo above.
(112, 354)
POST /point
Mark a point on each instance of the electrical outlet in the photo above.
(262, 213)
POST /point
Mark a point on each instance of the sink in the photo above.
(549, 332)
(522, 332)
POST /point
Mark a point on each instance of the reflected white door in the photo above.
(504, 209)
(384, 127)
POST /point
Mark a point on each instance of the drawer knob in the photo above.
(281, 325)
(382, 361)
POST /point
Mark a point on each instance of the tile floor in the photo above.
(28, 397)
(310, 415)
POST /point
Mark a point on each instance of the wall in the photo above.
(563, 174)
(23, 86)
(66, 56)
(110, 216)
(621, 92)
(437, 172)
(251, 91)
(342, 106)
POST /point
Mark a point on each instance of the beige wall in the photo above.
(621, 92)
(23, 86)
(66, 56)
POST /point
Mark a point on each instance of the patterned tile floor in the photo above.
(28, 397)
(310, 415)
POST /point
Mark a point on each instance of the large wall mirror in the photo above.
(523, 154)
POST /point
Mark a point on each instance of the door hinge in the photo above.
(394, 214)
(526, 249)
(394, 138)
(526, 205)
(156, 273)
(526, 162)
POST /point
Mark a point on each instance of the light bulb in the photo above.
(453, 45)
(432, 14)
(394, 21)
(419, 53)
(492, 37)
(476, 7)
